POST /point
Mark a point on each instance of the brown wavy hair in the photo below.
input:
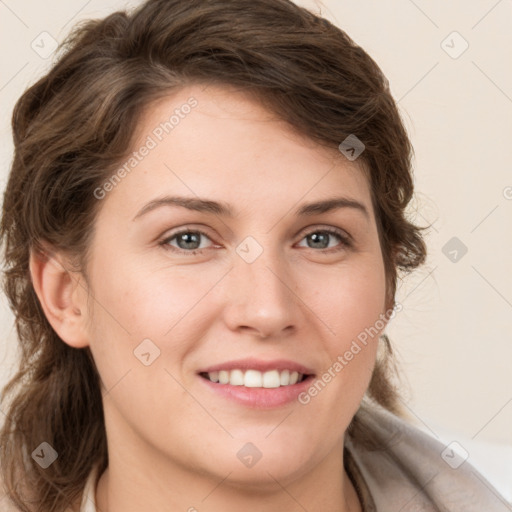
(74, 126)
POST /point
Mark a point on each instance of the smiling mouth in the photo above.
(255, 378)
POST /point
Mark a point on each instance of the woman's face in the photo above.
(202, 265)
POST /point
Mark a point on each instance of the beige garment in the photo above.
(407, 470)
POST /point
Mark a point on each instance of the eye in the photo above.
(188, 241)
(320, 239)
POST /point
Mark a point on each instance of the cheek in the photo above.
(353, 301)
(133, 303)
(149, 302)
(352, 306)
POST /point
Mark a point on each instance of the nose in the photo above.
(261, 296)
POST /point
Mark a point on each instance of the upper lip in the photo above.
(260, 365)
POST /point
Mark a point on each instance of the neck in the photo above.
(134, 487)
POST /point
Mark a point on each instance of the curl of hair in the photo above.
(74, 126)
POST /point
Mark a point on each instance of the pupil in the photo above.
(189, 238)
(322, 237)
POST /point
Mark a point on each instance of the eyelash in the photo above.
(345, 240)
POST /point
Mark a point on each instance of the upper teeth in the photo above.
(256, 379)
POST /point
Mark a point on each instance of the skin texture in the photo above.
(173, 442)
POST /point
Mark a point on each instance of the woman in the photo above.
(203, 228)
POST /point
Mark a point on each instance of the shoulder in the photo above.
(399, 462)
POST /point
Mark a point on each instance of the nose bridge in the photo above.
(262, 292)
(263, 269)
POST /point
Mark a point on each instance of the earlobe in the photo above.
(61, 295)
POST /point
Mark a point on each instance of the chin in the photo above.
(266, 477)
(257, 467)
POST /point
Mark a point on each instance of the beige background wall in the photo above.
(454, 336)
(455, 333)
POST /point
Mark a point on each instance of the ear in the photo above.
(62, 295)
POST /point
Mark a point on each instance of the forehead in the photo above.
(218, 142)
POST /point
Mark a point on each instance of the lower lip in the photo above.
(260, 398)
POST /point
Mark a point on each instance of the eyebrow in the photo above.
(224, 209)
